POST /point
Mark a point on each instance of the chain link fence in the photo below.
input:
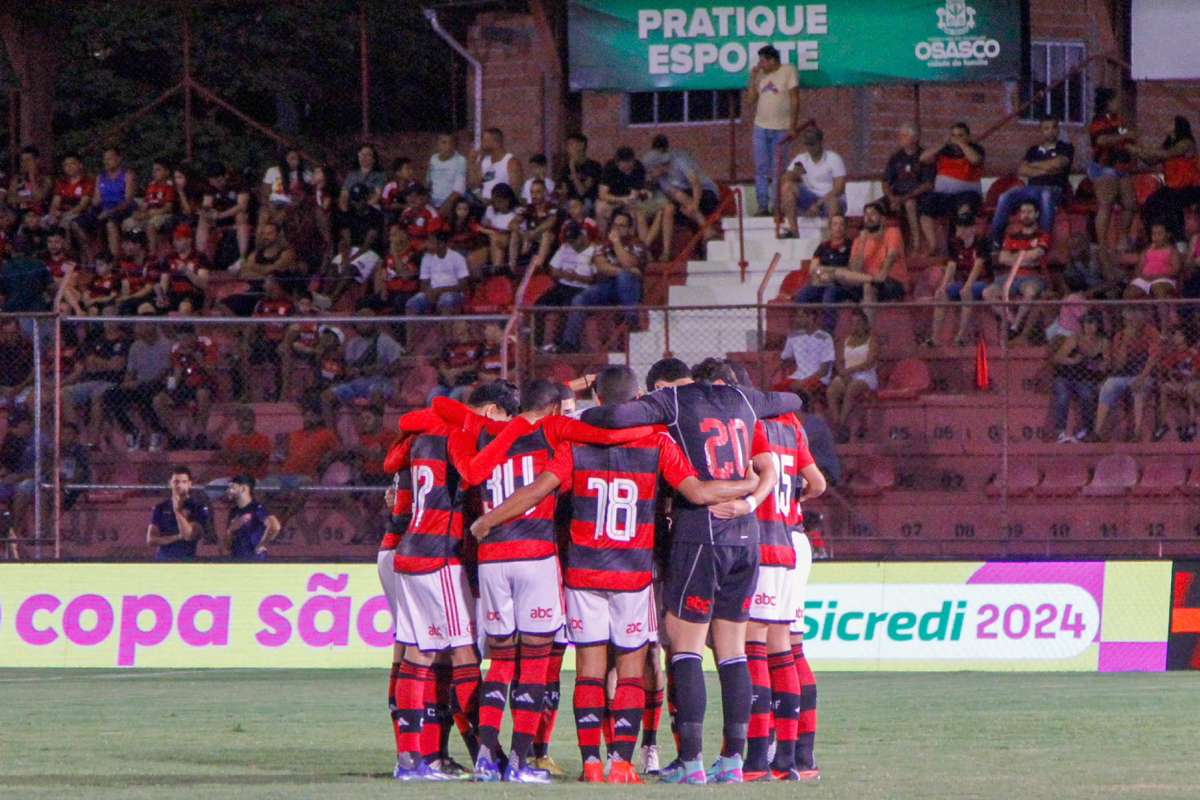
(1068, 429)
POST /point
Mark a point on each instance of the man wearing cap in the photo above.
(184, 275)
(775, 94)
(250, 528)
(680, 179)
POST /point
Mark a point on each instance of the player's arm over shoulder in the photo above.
(656, 408)
(682, 476)
(771, 404)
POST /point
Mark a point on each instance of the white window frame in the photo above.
(1047, 45)
(686, 100)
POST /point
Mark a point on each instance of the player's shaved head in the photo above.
(539, 395)
(501, 394)
(711, 370)
(616, 384)
(667, 371)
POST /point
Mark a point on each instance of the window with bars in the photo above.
(696, 106)
(1049, 64)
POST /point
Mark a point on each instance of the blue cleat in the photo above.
(523, 773)
(684, 772)
(726, 769)
(486, 769)
(420, 771)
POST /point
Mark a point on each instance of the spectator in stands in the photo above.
(443, 279)
(446, 175)
(189, 384)
(466, 238)
(250, 529)
(1085, 267)
(176, 524)
(1178, 376)
(155, 210)
(397, 278)
(326, 193)
(102, 287)
(620, 263)
(307, 453)
(967, 274)
(1023, 255)
(185, 275)
(1158, 268)
(65, 271)
(577, 213)
(419, 219)
(1046, 169)
(369, 173)
(539, 170)
(814, 184)
(395, 193)
(1070, 313)
(458, 364)
(72, 198)
(1131, 367)
(29, 189)
(878, 271)
(905, 180)
(492, 165)
(830, 255)
(811, 351)
(138, 273)
(113, 199)
(100, 367)
(372, 363)
(855, 375)
(24, 282)
(246, 450)
(74, 462)
(774, 92)
(532, 238)
(622, 183)
(959, 164)
(1080, 362)
(358, 232)
(18, 461)
(692, 193)
(259, 345)
(1181, 178)
(580, 175)
(146, 369)
(497, 224)
(1112, 158)
(284, 183)
(224, 206)
(272, 256)
(573, 269)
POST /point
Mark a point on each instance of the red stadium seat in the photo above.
(1022, 478)
(909, 379)
(539, 284)
(1192, 486)
(1001, 185)
(494, 295)
(873, 476)
(1161, 477)
(1115, 475)
(1145, 185)
(793, 282)
(1062, 478)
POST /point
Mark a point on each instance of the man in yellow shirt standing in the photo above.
(775, 94)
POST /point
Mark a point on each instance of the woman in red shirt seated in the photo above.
(1181, 178)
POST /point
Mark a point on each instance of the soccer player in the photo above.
(714, 562)
(434, 603)
(773, 676)
(251, 528)
(399, 502)
(609, 564)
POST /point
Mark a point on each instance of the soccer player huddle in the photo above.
(649, 528)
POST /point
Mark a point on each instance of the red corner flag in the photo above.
(983, 381)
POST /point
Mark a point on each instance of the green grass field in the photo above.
(317, 734)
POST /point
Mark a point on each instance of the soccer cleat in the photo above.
(419, 771)
(623, 772)
(650, 759)
(687, 772)
(809, 775)
(593, 772)
(550, 765)
(452, 769)
(525, 773)
(726, 769)
(757, 776)
(486, 769)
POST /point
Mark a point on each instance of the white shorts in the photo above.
(434, 611)
(800, 575)
(627, 619)
(1147, 285)
(521, 597)
(387, 579)
(772, 600)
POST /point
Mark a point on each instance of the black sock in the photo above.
(691, 696)
(735, 701)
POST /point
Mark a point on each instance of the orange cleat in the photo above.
(593, 772)
(623, 772)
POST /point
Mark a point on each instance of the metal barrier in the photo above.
(1076, 437)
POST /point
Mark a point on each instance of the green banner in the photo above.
(648, 45)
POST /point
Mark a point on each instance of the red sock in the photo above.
(493, 693)
(464, 686)
(550, 701)
(806, 727)
(652, 717)
(431, 728)
(758, 734)
(534, 660)
(410, 702)
(393, 708)
(628, 705)
(785, 694)
(589, 715)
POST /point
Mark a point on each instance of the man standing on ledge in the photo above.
(177, 523)
(775, 93)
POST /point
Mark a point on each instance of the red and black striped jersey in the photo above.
(399, 462)
(531, 536)
(434, 536)
(614, 497)
(780, 512)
